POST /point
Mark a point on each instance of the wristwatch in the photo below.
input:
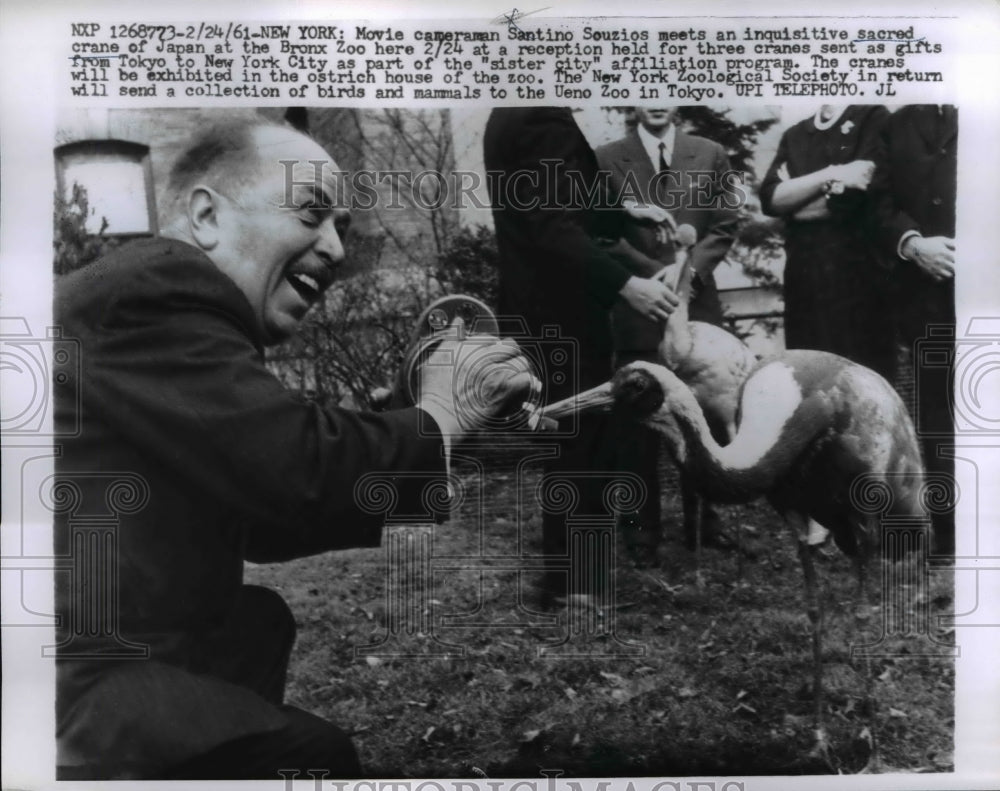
(833, 187)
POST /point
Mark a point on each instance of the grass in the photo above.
(722, 685)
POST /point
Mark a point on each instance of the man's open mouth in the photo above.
(308, 287)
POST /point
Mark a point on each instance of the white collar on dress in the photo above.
(821, 124)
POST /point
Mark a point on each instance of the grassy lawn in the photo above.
(681, 679)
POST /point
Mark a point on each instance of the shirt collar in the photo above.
(651, 143)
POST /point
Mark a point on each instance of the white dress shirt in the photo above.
(651, 143)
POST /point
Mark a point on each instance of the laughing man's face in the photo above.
(281, 237)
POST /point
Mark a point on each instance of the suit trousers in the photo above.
(577, 478)
(253, 651)
(638, 452)
(585, 466)
(927, 328)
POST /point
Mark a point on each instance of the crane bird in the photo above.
(810, 425)
(712, 362)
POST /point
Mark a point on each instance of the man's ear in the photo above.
(203, 217)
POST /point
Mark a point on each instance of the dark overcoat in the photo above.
(198, 459)
(550, 215)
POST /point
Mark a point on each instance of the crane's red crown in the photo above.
(638, 390)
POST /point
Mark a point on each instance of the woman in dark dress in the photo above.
(836, 294)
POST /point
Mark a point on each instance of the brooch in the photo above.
(846, 127)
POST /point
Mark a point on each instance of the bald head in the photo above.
(262, 202)
(229, 156)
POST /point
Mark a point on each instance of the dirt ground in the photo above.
(433, 653)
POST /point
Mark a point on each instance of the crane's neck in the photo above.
(677, 342)
(762, 452)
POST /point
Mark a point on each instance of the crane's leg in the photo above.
(861, 569)
(800, 523)
(691, 506)
(739, 552)
(867, 532)
(862, 614)
(874, 764)
(729, 433)
(699, 535)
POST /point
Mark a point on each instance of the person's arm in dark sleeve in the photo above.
(613, 220)
(635, 261)
(802, 196)
(174, 370)
(894, 224)
(899, 235)
(554, 206)
(776, 173)
(784, 195)
(863, 206)
(722, 200)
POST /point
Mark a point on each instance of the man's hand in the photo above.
(648, 213)
(649, 297)
(934, 254)
(466, 382)
(651, 214)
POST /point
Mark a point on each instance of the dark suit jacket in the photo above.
(694, 194)
(553, 269)
(921, 148)
(174, 396)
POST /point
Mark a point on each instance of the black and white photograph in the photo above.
(535, 398)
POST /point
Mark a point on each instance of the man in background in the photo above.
(672, 171)
(554, 271)
(918, 233)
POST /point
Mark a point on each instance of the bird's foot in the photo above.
(875, 766)
(821, 749)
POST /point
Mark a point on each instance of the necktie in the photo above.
(664, 166)
(666, 250)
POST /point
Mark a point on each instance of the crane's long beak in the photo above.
(593, 400)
